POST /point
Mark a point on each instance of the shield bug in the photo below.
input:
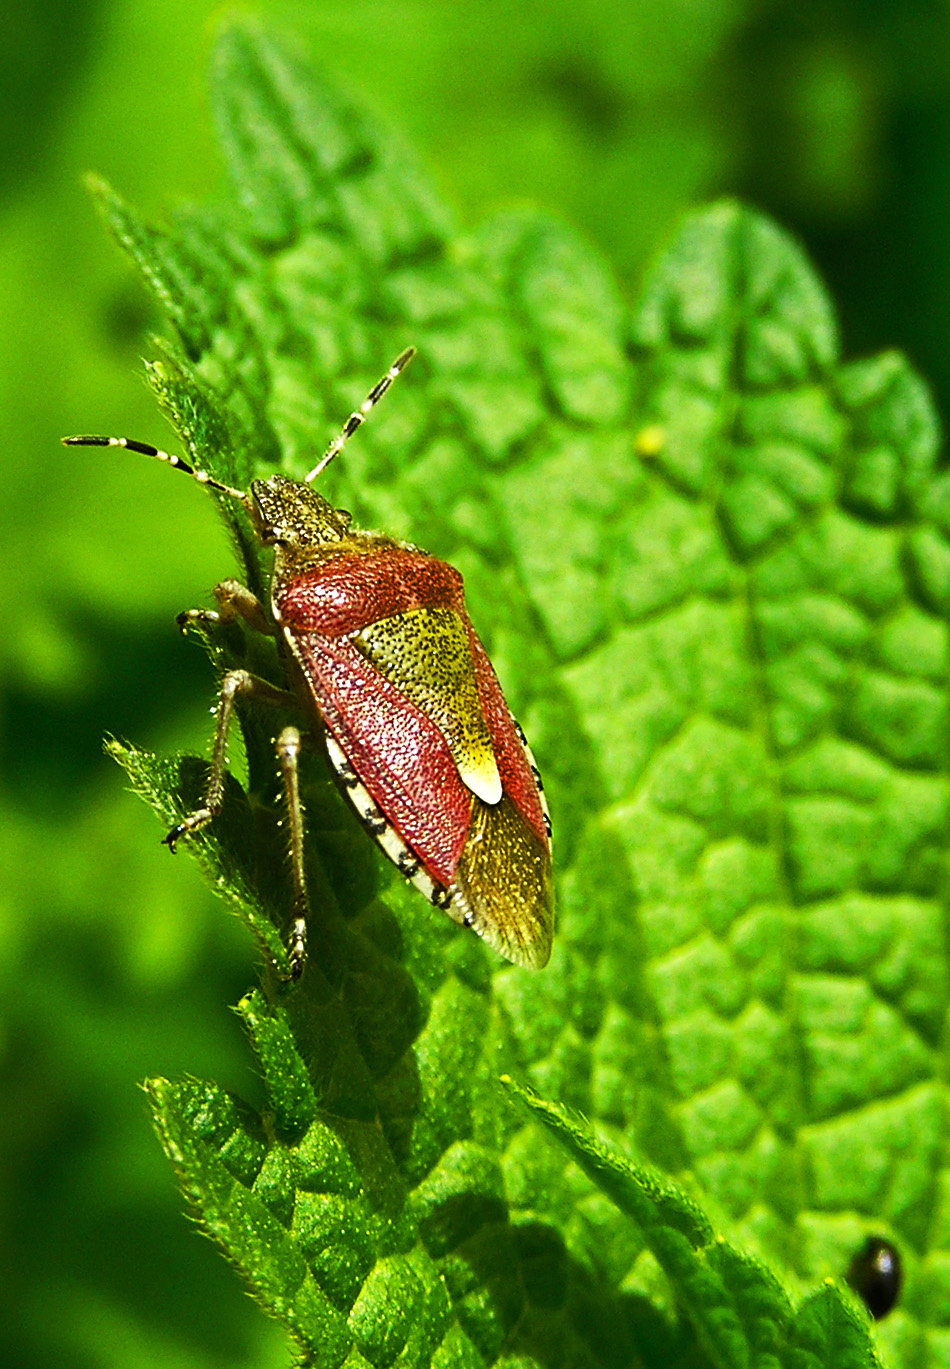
(382, 658)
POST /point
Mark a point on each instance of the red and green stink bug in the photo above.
(382, 655)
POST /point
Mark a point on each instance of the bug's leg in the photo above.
(288, 752)
(235, 683)
(234, 601)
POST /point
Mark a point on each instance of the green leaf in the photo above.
(739, 1310)
(711, 564)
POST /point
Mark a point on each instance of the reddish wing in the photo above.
(493, 858)
(518, 778)
(399, 754)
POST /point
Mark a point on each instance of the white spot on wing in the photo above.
(483, 780)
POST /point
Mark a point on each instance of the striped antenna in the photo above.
(145, 449)
(359, 416)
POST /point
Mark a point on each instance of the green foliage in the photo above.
(739, 1311)
(712, 566)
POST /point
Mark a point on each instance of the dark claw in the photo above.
(174, 836)
(297, 950)
(199, 618)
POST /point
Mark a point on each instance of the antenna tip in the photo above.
(83, 440)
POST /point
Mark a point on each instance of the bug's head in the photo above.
(289, 513)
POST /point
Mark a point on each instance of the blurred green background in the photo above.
(114, 962)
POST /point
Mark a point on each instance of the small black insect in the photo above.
(875, 1274)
